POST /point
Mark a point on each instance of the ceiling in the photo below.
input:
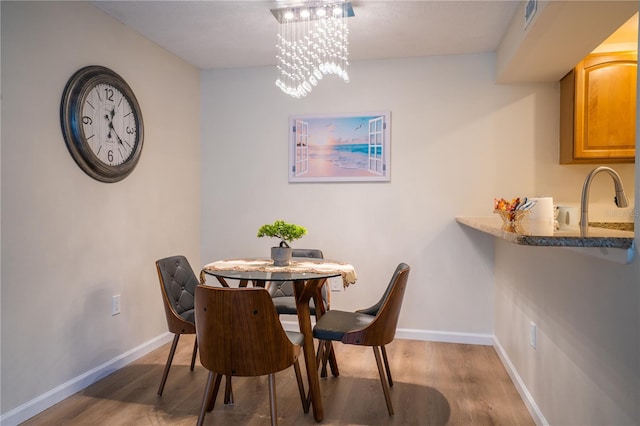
(239, 33)
(627, 33)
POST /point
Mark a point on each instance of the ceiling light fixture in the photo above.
(313, 42)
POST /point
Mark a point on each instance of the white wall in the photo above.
(69, 242)
(457, 141)
(442, 109)
(585, 368)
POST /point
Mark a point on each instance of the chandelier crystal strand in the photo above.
(344, 47)
(312, 42)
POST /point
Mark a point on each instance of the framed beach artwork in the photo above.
(339, 148)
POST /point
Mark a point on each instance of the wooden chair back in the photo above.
(239, 332)
(382, 329)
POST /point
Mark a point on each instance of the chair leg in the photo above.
(195, 352)
(319, 352)
(323, 369)
(327, 351)
(228, 391)
(305, 405)
(172, 352)
(208, 389)
(386, 365)
(383, 380)
(272, 399)
(333, 362)
(214, 395)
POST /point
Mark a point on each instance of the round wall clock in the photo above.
(101, 123)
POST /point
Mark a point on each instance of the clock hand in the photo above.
(110, 120)
(114, 132)
(112, 113)
(111, 128)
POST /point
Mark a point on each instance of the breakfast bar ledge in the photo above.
(605, 243)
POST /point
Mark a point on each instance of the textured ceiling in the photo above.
(238, 33)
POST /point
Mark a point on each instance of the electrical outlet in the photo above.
(115, 305)
(533, 330)
(336, 283)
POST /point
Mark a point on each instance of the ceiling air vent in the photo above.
(530, 9)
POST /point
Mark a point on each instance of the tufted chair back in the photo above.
(285, 288)
(178, 282)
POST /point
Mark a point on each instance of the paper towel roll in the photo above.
(542, 211)
(539, 228)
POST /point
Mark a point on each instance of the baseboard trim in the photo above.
(526, 396)
(445, 336)
(425, 335)
(65, 390)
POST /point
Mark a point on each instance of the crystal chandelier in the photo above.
(312, 42)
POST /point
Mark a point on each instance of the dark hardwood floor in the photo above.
(434, 384)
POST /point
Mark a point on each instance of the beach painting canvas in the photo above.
(339, 148)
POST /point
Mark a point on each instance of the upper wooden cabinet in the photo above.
(598, 110)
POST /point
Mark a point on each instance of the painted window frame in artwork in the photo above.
(340, 147)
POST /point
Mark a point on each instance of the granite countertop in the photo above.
(533, 234)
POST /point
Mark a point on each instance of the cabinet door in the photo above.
(604, 109)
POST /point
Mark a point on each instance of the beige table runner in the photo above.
(347, 271)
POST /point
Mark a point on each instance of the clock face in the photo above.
(101, 123)
(109, 124)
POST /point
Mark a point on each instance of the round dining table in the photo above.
(308, 276)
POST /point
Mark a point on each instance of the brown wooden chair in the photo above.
(359, 328)
(240, 335)
(177, 284)
(373, 310)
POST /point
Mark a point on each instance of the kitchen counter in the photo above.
(529, 234)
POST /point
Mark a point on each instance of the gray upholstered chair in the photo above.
(366, 328)
(373, 310)
(177, 284)
(240, 335)
(282, 292)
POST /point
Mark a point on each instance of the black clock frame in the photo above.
(73, 97)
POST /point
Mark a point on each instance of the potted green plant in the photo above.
(286, 232)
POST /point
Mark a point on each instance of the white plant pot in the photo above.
(281, 255)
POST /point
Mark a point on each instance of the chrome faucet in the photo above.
(620, 198)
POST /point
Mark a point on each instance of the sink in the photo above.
(620, 226)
